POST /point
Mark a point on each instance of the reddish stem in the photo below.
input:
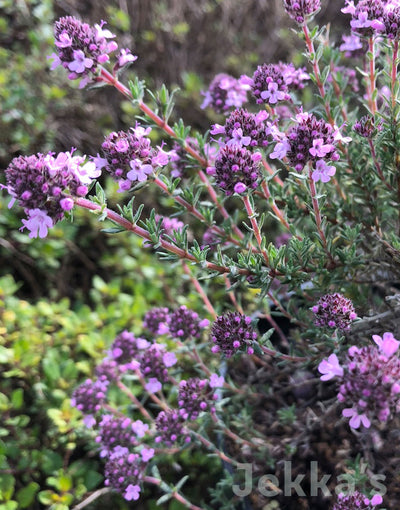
(317, 213)
(274, 207)
(252, 217)
(141, 232)
(268, 168)
(394, 70)
(377, 165)
(200, 290)
(317, 72)
(112, 80)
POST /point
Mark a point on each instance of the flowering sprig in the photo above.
(46, 186)
(369, 381)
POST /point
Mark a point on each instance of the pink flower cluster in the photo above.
(45, 186)
(82, 48)
(129, 157)
(310, 140)
(369, 380)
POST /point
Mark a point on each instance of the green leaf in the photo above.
(26, 495)
(17, 398)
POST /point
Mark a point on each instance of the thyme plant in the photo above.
(290, 212)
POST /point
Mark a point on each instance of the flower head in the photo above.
(115, 431)
(244, 128)
(233, 165)
(364, 15)
(126, 347)
(334, 311)
(90, 396)
(45, 185)
(81, 48)
(269, 84)
(366, 127)
(156, 320)
(301, 10)
(357, 501)
(128, 156)
(170, 428)
(123, 472)
(231, 333)
(185, 323)
(369, 382)
(310, 139)
(195, 396)
(224, 93)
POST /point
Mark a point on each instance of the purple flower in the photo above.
(240, 187)
(125, 57)
(231, 333)
(280, 150)
(45, 185)
(169, 359)
(132, 492)
(67, 204)
(224, 93)
(356, 419)
(90, 396)
(124, 347)
(80, 62)
(129, 156)
(38, 223)
(123, 472)
(235, 164)
(301, 10)
(216, 381)
(269, 84)
(147, 454)
(152, 364)
(81, 48)
(388, 344)
(170, 428)
(238, 138)
(366, 127)
(323, 172)
(194, 397)
(140, 428)
(364, 15)
(389, 24)
(115, 431)
(309, 139)
(244, 128)
(319, 149)
(169, 225)
(369, 385)
(334, 311)
(153, 385)
(356, 501)
(351, 45)
(139, 171)
(156, 320)
(185, 324)
(330, 368)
